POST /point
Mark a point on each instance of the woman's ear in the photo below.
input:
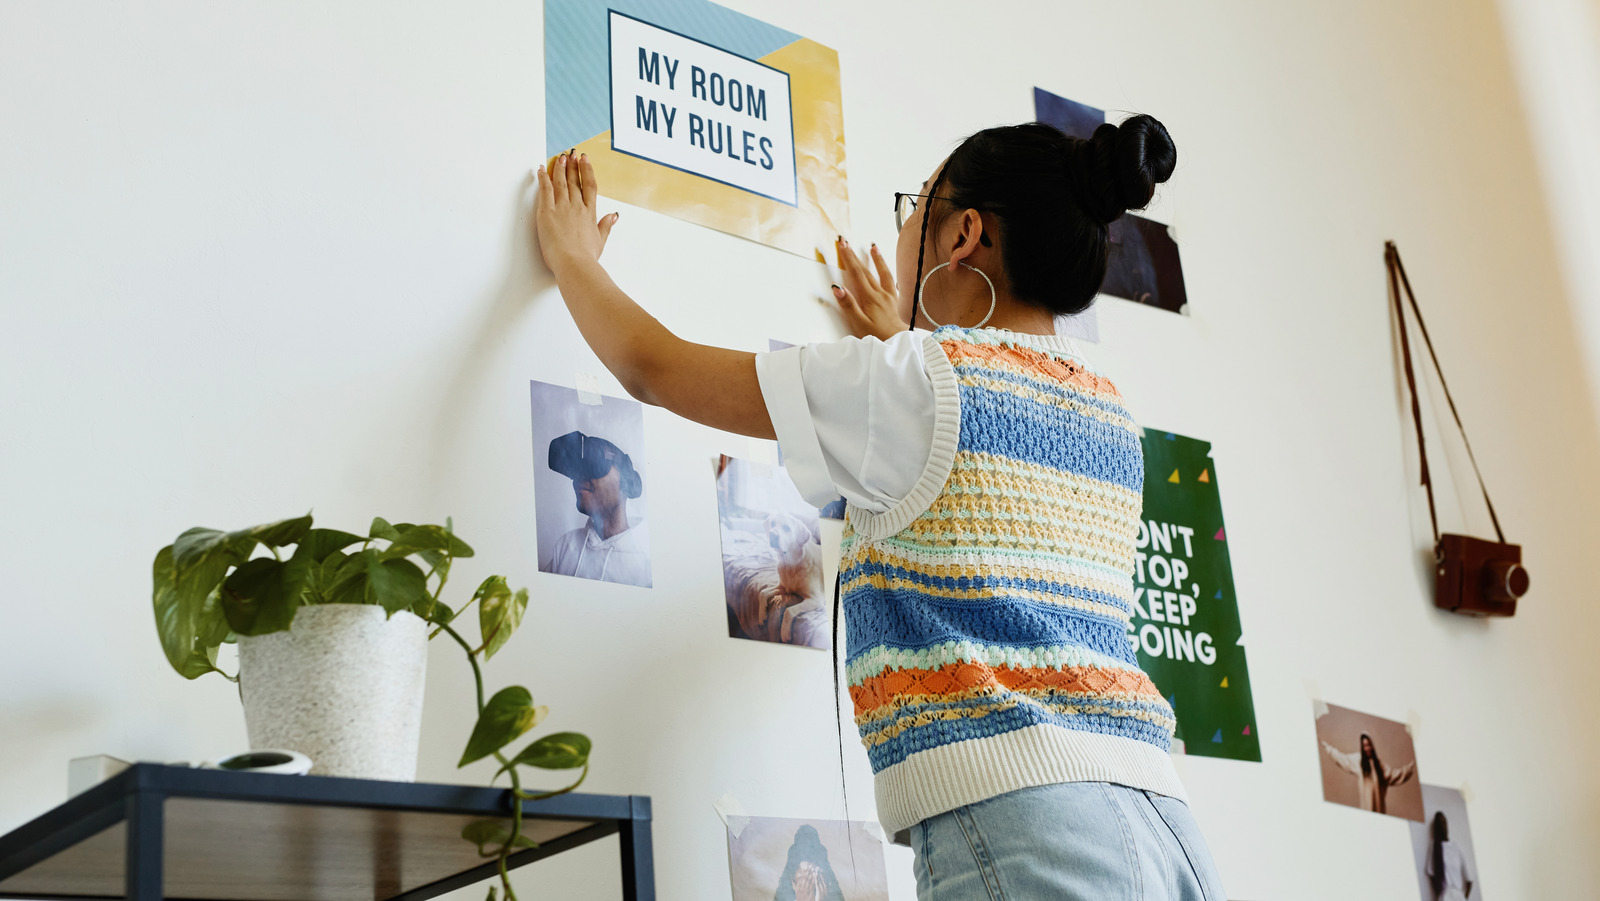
(969, 234)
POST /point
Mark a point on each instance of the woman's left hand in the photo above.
(564, 213)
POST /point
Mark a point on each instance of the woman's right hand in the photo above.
(867, 299)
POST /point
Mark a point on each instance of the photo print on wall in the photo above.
(1447, 867)
(589, 487)
(781, 859)
(1185, 625)
(1368, 762)
(1144, 265)
(702, 113)
(772, 569)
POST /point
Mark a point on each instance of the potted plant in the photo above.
(332, 629)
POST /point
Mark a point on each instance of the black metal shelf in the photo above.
(157, 831)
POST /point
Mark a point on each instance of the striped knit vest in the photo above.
(988, 613)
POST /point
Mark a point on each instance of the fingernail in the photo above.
(874, 248)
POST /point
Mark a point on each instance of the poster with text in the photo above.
(1144, 265)
(699, 112)
(1185, 625)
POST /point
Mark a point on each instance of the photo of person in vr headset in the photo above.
(609, 547)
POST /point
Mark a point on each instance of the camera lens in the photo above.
(1504, 580)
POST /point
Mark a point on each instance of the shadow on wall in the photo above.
(524, 279)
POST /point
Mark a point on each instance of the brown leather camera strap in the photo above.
(1397, 279)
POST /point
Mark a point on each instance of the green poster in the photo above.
(1185, 625)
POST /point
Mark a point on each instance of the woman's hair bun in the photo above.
(1118, 168)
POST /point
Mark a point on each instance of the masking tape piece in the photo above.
(1318, 706)
(1413, 723)
(875, 829)
(764, 451)
(1466, 792)
(732, 813)
(588, 389)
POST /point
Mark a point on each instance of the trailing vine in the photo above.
(211, 587)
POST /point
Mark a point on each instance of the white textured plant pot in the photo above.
(343, 686)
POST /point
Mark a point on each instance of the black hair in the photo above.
(1441, 834)
(1370, 764)
(1053, 197)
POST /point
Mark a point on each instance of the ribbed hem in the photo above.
(941, 457)
(940, 779)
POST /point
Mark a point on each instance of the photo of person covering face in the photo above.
(1368, 762)
(780, 859)
(589, 493)
(772, 572)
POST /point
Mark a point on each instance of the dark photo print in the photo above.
(1144, 266)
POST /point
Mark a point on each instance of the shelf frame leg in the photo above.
(638, 858)
(146, 827)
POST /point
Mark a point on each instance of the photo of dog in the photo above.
(772, 566)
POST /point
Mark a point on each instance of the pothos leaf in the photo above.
(181, 620)
(493, 832)
(499, 612)
(507, 716)
(558, 751)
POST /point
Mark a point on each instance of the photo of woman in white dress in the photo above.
(1368, 762)
(1375, 780)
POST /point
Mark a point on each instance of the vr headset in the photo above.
(581, 457)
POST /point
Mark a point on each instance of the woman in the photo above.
(1446, 868)
(1374, 780)
(994, 483)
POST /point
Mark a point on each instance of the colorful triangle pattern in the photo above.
(1205, 476)
(1224, 681)
(1218, 737)
(1174, 477)
(1247, 730)
(1220, 535)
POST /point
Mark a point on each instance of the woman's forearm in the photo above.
(620, 332)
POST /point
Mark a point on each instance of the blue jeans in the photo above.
(1073, 840)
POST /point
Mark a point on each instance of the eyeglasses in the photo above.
(906, 204)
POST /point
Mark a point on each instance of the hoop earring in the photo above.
(993, 299)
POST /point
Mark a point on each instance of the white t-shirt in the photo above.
(856, 416)
(1456, 872)
(623, 558)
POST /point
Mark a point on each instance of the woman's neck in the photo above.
(1009, 314)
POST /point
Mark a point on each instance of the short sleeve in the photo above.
(855, 417)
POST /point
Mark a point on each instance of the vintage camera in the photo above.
(582, 457)
(1478, 577)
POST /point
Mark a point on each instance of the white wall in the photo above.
(261, 258)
